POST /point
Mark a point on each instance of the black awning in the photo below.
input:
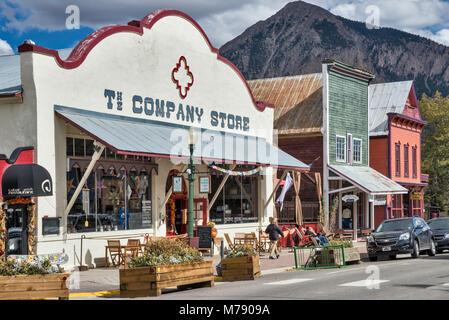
(26, 180)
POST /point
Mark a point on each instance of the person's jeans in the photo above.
(273, 248)
(321, 240)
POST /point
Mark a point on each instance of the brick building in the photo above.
(395, 147)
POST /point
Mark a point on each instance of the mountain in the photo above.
(297, 38)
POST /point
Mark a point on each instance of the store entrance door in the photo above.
(17, 229)
(176, 207)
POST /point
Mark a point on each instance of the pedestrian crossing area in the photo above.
(367, 283)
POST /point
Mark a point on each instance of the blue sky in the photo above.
(44, 21)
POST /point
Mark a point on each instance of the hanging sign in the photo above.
(177, 184)
(416, 196)
(204, 184)
(350, 198)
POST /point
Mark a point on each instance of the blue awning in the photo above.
(368, 179)
(127, 135)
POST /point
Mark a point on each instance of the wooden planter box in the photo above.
(149, 281)
(333, 257)
(352, 255)
(24, 287)
(240, 268)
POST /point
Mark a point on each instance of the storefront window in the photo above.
(107, 195)
(397, 150)
(237, 201)
(396, 206)
(340, 148)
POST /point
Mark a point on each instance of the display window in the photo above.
(113, 197)
(237, 201)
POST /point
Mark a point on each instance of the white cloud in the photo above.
(222, 20)
(5, 48)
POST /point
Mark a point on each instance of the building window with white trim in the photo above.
(340, 153)
(357, 153)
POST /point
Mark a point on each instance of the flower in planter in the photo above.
(12, 267)
(166, 252)
(241, 251)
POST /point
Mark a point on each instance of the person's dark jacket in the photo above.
(273, 230)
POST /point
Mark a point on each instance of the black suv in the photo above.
(440, 228)
(398, 236)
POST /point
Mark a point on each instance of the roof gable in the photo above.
(386, 98)
(298, 102)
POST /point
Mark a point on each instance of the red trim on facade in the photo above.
(80, 52)
(189, 73)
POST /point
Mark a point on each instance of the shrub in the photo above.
(241, 251)
(165, 252)
(345, 243)
(12, 267)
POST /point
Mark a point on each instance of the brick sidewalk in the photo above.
(101, 279)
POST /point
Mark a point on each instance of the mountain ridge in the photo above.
(299, 36)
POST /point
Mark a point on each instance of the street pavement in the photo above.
(425, 278)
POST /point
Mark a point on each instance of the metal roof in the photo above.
(386, 98)
(368, 179)
(10, 81)
(298, 102)
(129, 135)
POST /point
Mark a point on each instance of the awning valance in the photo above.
(127, 135)
(368, 179)
(26, 180)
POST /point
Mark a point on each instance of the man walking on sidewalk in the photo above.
(274, 231)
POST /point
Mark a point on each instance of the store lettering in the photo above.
(229, 121)
(168, 109)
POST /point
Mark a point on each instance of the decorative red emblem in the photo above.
(182, 76)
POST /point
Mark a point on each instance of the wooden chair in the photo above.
(306, 239)
(264, 240)
(365, 232)
(132, 249)
(229, 241)
(342, 235)
(115, 253)
(329, 235)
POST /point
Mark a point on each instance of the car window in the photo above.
(395, 225)
(439, 224)
(417, 222)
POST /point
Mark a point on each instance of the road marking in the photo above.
(347, 270)
(285, 282)
(363, 283)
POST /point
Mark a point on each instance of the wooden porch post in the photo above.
(225, 178)
(319, 193)
(354, 219)
(340, 206)
(298, 206)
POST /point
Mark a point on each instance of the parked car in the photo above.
(398, 236)
(440, 228)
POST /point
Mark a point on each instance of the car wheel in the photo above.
(415, 253)
(374, 258)
(432, 251)
(392, 256)
(439, 251)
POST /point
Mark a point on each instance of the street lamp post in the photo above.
(191, 178)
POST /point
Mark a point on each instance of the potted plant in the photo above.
(241, 263)
(165, 263)
(351, 253)
(32, 279)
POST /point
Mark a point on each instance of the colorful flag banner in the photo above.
(235, 173)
